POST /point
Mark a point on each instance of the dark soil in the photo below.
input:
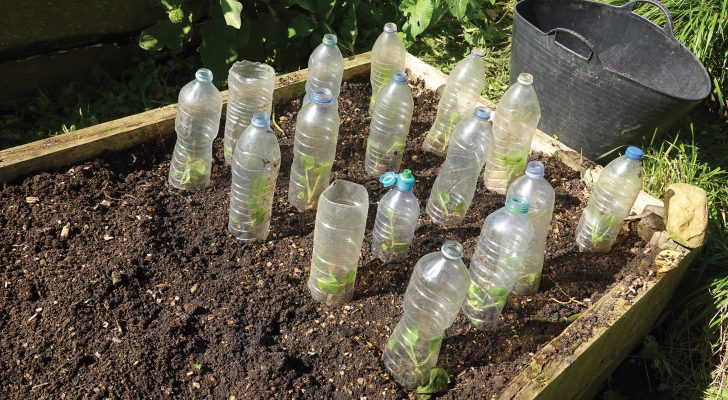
(149, 296)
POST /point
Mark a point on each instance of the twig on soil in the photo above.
(571, 299)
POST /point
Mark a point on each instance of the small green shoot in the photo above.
(311, 184)
(454, 210)
(480, 298)
(257, 201)
(193, 172)
(197, 367)
(603, 229)
(393, 247)
(331, 285)
(515, 164)
(410, 337)
(439, 381)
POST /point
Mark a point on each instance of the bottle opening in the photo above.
(525, 79)
(399, 77)
(261, 120)
(517, 205)
(330, 39)
(203, 75)
(482, 113)
(477, 52)
(321, 96)
(452, 250)
(390, 27)
(634, 153)
(534, 169)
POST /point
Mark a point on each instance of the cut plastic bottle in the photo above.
(610, 202)
(197, 122)
(539, 193)
(498, 261)
(388, 55)
(251, 87)
(256, 161)
(325, 67)
(461, 93)
(397, 215)
(514, 125)
(454, 188)
(434, 295)
(314, 150)
(337, 239)
(391, 118)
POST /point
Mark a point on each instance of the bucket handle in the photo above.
(668, 25)
(592, 54)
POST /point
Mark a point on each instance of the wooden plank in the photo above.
(130, 131)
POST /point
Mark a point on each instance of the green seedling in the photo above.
(515, 164)
(438, 383)
(391, 153)
(529, 280)
(454, 210)
(193, 172)
(605, 226)
(393, 246)
(311, 167)
(257, 201)
(410, 337)
(480, 298)
(331, 285)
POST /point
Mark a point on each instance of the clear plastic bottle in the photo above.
(610, 202)
(539, 193)
(337, 239)
(326, 67)
(197, 122)
(434, 295)
(454, 188)
(397, 215)
(497, 262)
(256, 161)
(514, 125)
(391, 118)
(461, 93)
(314, 150)
(251, 87)
(388, 55)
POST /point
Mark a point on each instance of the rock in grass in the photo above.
(686, 214)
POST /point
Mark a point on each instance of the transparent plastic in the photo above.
(434, 295)
(337, 239)
(314, 150)
(539, 193)
(326, 67)
(250, 87)
(461, 93)
(497, 262)
(197, 122)
(391, 118)
(388, 55)
(514, 125)
(610, 202)
(255, 165)
(454, 188)
(397, 215)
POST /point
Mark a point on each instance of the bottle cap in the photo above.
(405, 180)
(321, 96)
(203, 75)
(525, 79)
(534, 169)
(482, 113)
(390, 27)
(477, 52)
(330, 39)
(634, 153)
(261, 120)
(399, 77)
(517, 205)
(388, 179)
(452, 250)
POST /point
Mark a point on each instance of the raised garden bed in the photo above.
(115, 285)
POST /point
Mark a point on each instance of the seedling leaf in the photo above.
(328, 284)
(410, 336)
(307, 162)
(439, 381)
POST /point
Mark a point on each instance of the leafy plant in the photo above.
(529, 280)
(393, 246)
(456, 210)
(421, 14)
(390, 154)
(480, 298)
(438, 383)
(604, 227)
(515, 163)
(410, 337)
(261, 190)
(193, 172)
(311, 184)
(331, 285)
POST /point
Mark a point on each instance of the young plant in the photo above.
(311, 180)
(256, 202)
(603, 228)
(331, 285)
(438, 383)
(454, 210)
(410, 337)
(392, 246)
(390, 154)
(515, 164)
(193, 172)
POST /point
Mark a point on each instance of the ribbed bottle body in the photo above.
(337, 240)
(461, 93)
(610, 202)
(388, 55)
(314, 151)
(394, 227)
(496, 264)
(391, 118)
(255, 165)
(197, 122)
(325, 69)
(514, 125)
(251, 86)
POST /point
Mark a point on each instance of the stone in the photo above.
(686, 214)
(650, 224)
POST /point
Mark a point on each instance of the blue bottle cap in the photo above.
(388, 179)
(634, 153)
(321, 96)
(399, 77)
(405, 180)
(330, 39)
(482, 113)
(534, 169)
(517, 205)
(261, 120)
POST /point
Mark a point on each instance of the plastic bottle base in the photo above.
(345, 294)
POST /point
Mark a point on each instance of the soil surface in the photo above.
(114, 285)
